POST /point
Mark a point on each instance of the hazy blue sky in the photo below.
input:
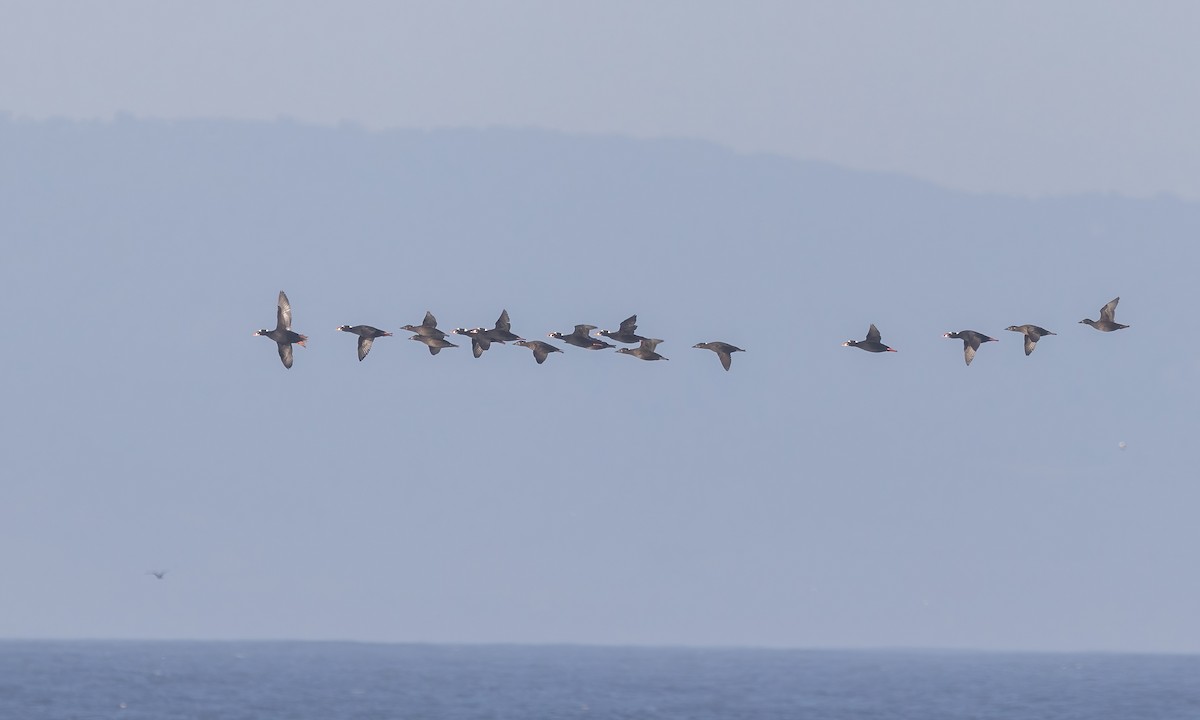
(1020, 97)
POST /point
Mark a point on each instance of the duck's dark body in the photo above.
(366, 335)
(282, 334)
(971, 342)
(723, 350)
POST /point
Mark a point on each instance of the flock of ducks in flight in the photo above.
(483, 338)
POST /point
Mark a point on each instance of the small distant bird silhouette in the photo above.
(971, 341)
(1032, 333)
(871, 344)
(157, 573)
(723, 350)
(1106, 323)
(282, 334)
(366, 335)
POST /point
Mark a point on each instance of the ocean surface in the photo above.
(330, 681)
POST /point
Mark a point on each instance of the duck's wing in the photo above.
(1107, 312)
(1030, 341)
(430, 321)
(971, 342)
(873, 334)
(969, 350)
(479, 345)
(502, 323)
(650, 344)
(629, 324)
(540, 353)
(285, 354)
(283, 314)
(726, 358)
(364, 346)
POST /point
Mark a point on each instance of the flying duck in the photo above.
(427, 328)
(282, 334)
(722, 349)
(626, 333)
(1032, 333)
(366, 335)
(1106, 323)
(645, 351)
(580, 338)
(434, 344)
(503, 330)
(971, 341)
(481, 340)
(871, 344)
(541, 350)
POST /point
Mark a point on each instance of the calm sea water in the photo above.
(330, 681)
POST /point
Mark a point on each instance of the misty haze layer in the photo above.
(813, 496)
